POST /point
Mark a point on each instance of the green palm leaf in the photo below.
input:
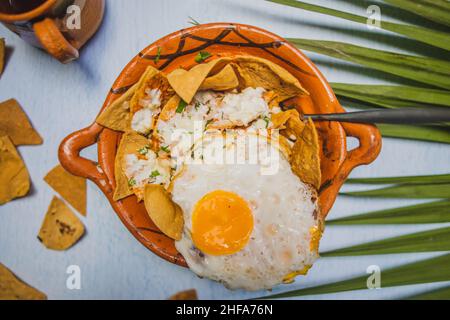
(425, 271)
(393, 96)
(421, 191)
(435, 10)
(426, 191)
(426, 70)
(437, 178)
(439, 294)
(431, 212)
(424, 133)
(431, 37)
(432, 240)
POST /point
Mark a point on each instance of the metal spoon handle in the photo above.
(392, 116)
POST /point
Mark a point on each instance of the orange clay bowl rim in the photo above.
(220, 39)
(36, 12)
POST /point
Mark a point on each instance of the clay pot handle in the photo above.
(54, 42)
(70, 159)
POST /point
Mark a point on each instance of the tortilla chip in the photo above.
(15, 124)
(165, 214)
(117, 115)
(70, 187)
(2, 55)
(130, 143)
(249, 71)
(61, 228)
(257, 72)
(12, 288)
(185, 295)
(170, 108)
(187, 83)
(154, 79)
(305, 159)
(285, 147)
(271, 97)
(14, 178)
(225, 80)
(279, 120)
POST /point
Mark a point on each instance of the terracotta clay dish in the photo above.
(179, 50)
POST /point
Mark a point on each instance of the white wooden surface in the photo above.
(62, 98)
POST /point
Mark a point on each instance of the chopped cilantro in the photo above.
(143, 150)
(202, 56)
(131, 182)
(197, 105)
(165, 149)
(266, 120)
(155, 174)
(158, 55)
(181, 106)
(193, 21)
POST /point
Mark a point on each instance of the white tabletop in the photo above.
(60, 99)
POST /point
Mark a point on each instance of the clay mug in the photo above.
(60, 27)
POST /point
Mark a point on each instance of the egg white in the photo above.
(283, 208)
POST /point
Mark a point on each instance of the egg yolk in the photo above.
(222, 223)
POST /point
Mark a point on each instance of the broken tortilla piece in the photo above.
(70, 187)
(61, 228)
(165, 214)
(187, 83)
(130, 143)
(305, 158)
(250, 71)
(225, 80)
(257, 72)
(15, 124)
(117, 115)
(14, 177)
(151, 79)
(12, 288)
(185, 295)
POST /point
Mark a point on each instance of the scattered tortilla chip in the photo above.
(15, 124)
(225, 80)
(14, 177)
(170, 108)
(61, 228)
(2, 55)
(70, 187)
(258, 72)
(117, 115)
(166, 214)
(12, 288)
(130, 143)
(185, 295)
(305, 159)
(154, 79)
(187, 83)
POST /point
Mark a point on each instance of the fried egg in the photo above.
(243, 227)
